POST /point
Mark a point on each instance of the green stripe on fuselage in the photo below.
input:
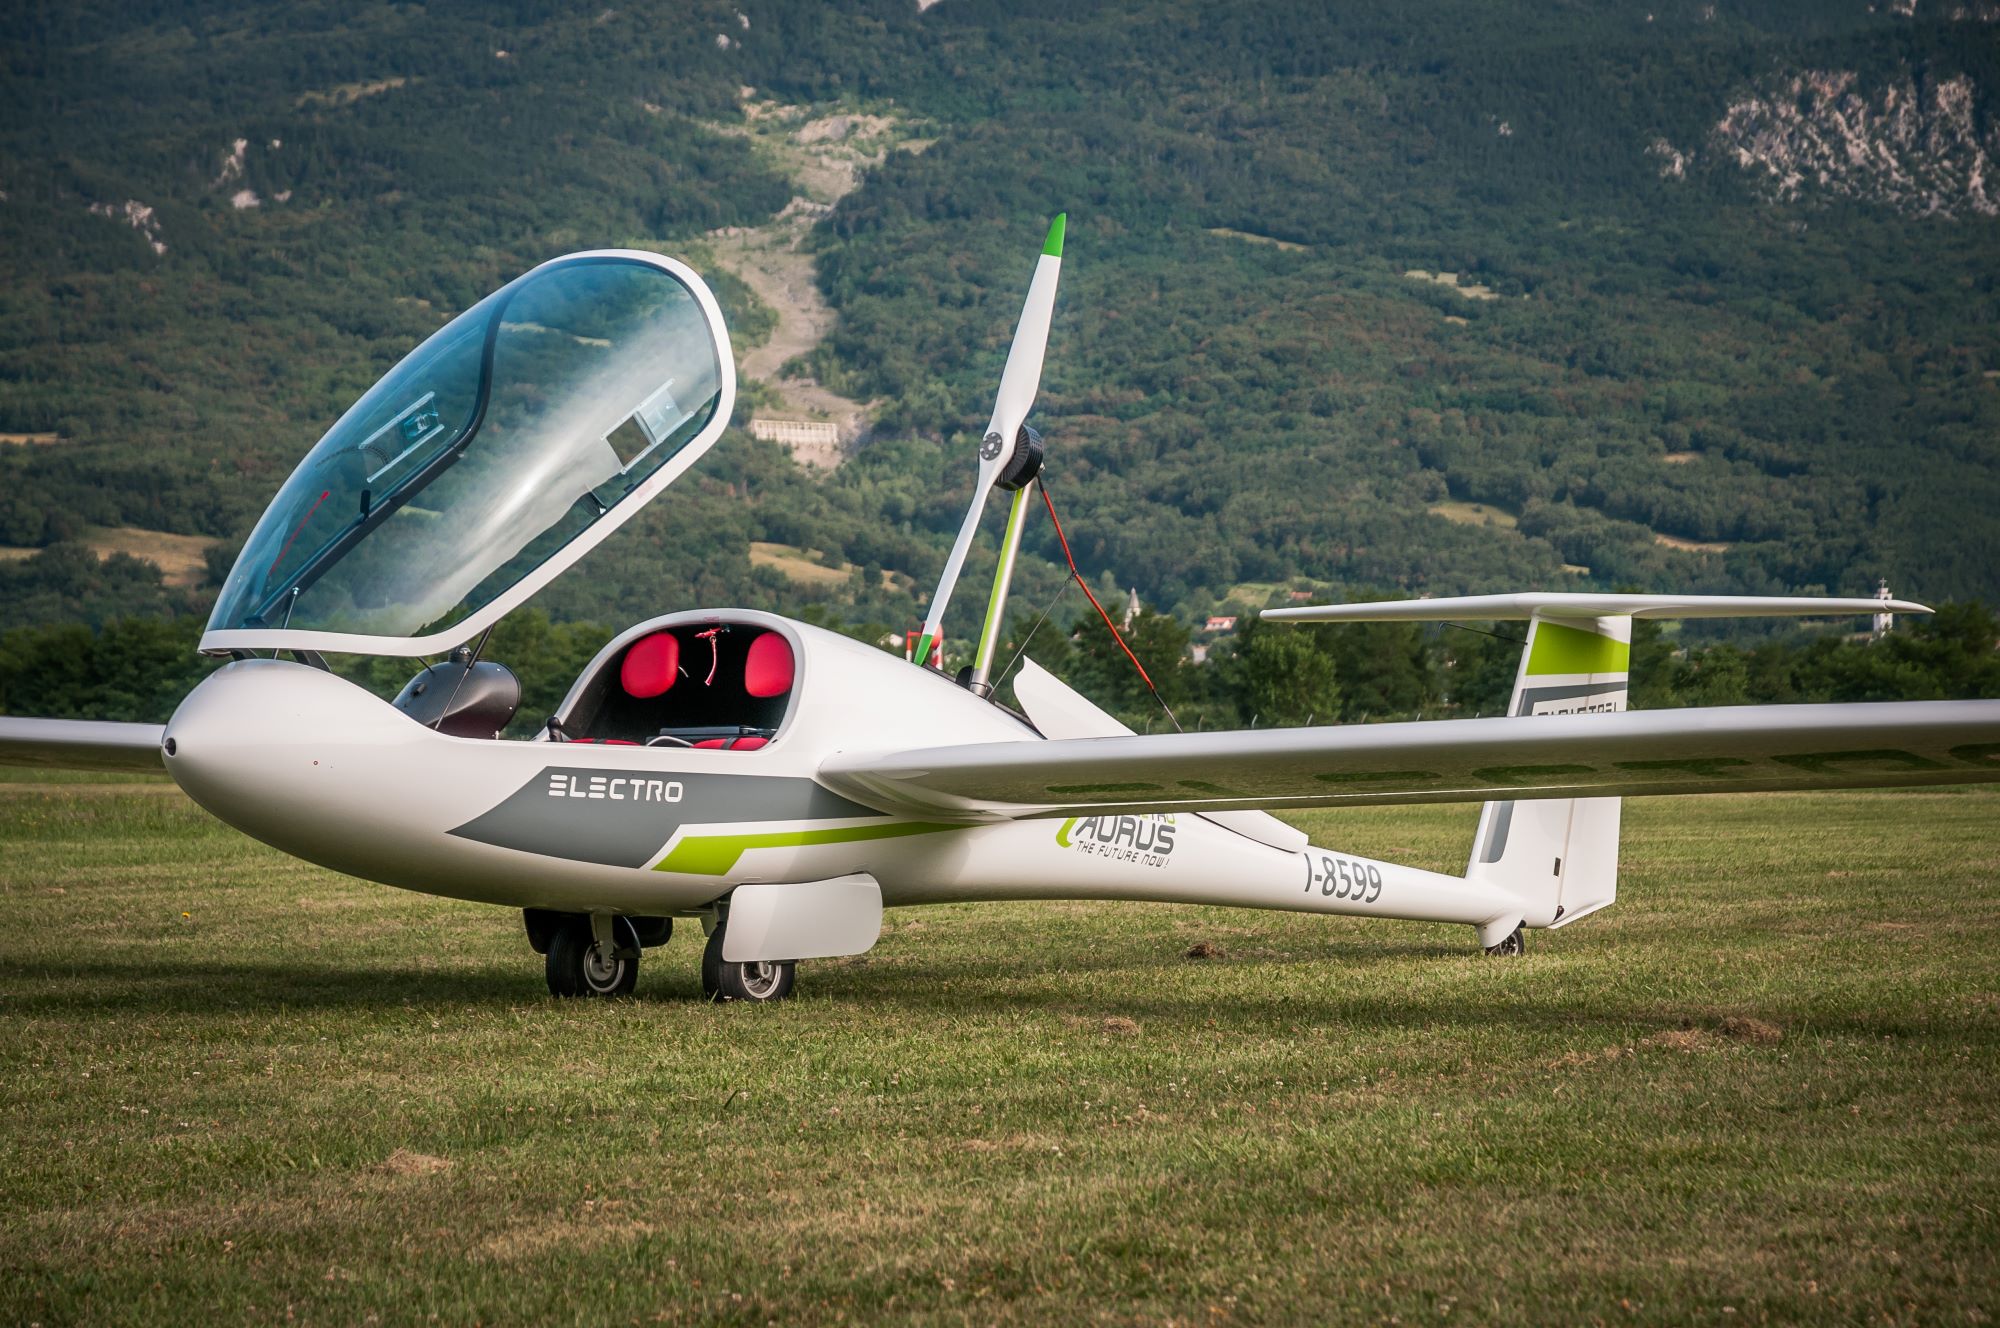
(716, 855)
(1560, 649)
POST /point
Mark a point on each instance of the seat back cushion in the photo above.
(768, 669)
(651, 665)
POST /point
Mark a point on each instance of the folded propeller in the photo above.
(1010, 453)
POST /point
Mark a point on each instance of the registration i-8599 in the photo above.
(1342, 878)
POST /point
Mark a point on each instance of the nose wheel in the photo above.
(757, 980)
(594, 957)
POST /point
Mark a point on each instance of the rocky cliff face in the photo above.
(1910, 144)
(1917, 148)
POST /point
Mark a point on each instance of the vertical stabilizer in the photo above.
(1560, 855)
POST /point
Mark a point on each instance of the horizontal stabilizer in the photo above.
(1713, 750)
(82, 744)
(1556, 604)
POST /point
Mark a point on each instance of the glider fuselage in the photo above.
(319, 768)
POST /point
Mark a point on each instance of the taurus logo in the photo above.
(1147, 840)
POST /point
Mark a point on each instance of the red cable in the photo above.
(324, 495)
(714, 638)
(1109, 625)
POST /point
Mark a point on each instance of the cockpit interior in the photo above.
(706, 684)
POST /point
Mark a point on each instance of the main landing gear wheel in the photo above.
(754, 981)
(580, 966)
(1516, 943)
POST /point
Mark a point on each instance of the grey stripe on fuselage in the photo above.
(623, 817)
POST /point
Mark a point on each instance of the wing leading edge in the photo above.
(1570, 604)
(1636, 753)
(82, 744)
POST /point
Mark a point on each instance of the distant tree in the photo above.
(135, 670)
(1282, 676)
(1101, 670)
(1476, 670)
(1386, 670)
(1719, 675)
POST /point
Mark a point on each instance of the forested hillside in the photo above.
(1460, 296)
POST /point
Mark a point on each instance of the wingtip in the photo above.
(1053, 245)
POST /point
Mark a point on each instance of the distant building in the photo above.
(1131, 607)
(1883, 621)
(1220, 623)
(795, 433)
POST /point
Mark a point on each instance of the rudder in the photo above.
(1560, 856)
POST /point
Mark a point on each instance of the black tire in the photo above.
(1514, 945)
(576, 967)
(753, 982)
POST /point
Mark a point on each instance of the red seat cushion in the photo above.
(747, 743)
(768, 669)
(651, 665)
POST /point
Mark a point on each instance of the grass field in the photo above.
(1764, 1088)
(1475, 514)
(182, 559)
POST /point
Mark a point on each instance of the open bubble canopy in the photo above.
(491, 458)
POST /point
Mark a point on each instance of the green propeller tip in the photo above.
(1054, 246)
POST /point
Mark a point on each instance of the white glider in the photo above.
(781, 783)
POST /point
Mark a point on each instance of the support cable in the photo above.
(1031, 636)
(1109, 626)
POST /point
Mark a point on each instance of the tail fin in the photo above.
(1560, 857)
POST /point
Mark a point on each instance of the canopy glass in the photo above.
(541, 415)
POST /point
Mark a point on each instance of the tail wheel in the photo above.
(579, 966)
(1516, 943)
(757, 980)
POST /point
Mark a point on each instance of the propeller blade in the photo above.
(1019, 382)
(1023, 374)
(952, 566)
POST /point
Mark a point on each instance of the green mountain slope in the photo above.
(1333, 281)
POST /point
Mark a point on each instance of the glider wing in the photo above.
(82, 744)
(1500, 608)
(1636, 753)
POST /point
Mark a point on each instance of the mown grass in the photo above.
(1760, 1089)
